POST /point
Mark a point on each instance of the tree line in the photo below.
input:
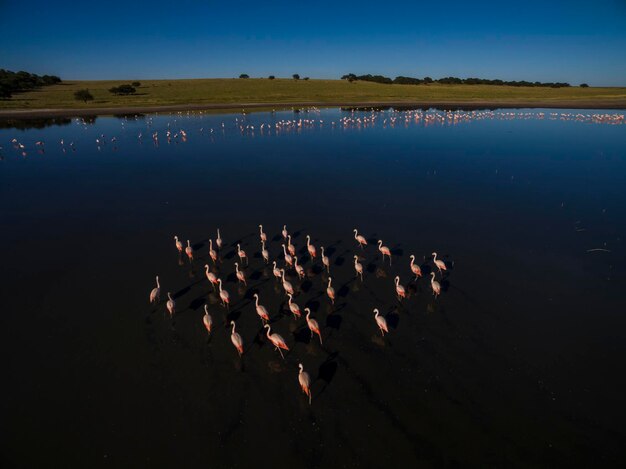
(13, 82)
(401, 80)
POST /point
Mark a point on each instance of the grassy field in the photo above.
(214, 91)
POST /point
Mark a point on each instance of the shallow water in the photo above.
(517, 363)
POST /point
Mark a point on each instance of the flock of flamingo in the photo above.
(290, 261)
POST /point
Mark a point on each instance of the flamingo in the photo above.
(264, 253)
(262, 235)
(211, 277)
(218, 240)
(207, 319)
(384, 250)
(310, 247)
(299, 268)
(240, 275)
(441, 265)
(381, 321)
(325, 260)
(288, 258)
(284, 232)
(155, 294)
(276, 271)
(189, 251)
(171, 304)
(286, 285)
(360, 239)
(305, 381)
(212, 252)
(260, 309)
(415, 268)
(179, 245)
(242, 254)
(295, 309)
(313, 325)
(276, 340)
(224, 296)
(358, 267)
(399, 288)
(330, 291)
(291, 247)
(436, 286)
(236, 339)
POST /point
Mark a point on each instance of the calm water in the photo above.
(519, 362)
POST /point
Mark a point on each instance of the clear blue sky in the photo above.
(574, 41)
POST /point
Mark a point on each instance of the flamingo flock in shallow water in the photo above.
(290, 261)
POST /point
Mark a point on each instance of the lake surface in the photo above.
(519, 362)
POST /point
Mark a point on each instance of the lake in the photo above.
(516, 363)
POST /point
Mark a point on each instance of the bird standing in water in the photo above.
(358, 267)
(435, 285)
(381, 322)
(360, 239)
(330, 291)
(384, 250)
(207, 319)
(276, 340)
(155, 294)
(441, 265)
(415, 268)
(399, 288)
(236, 339)
(305, 381)
(312, 324)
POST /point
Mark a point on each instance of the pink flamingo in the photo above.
(381, 321)
(305, 381)
(415, 268)
(330, 291)
(179, 245)
(240, 275)
(224, 296)
(211, 277)
(212, 252)
(441, 265)
(360, 239)
(299, 268)
(284, 232)
(384, 250)
(295, 309)
(236, 339)
(358, 267)
(436, 286)
(290, 247)
(155, 294)
(242, 254)
(310, 247)
(207, 319)
(171, 304)
(286, 285)
(262, 235)
(218, 240)
(189, 251)
(314, 327)
(325, 260)
(276, 340)
(399, 288)
(260, 309)
(264, 253)
(276, 271)
(288, 258)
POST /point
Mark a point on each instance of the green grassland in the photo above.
(260, 90)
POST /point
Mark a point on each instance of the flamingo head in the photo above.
(300, 366)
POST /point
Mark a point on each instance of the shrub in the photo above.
(584, 85)
(123, 89)
(305, 78)
(83, 95)
(296, 76)
(136, 84)
(244, 75)
(271, 77)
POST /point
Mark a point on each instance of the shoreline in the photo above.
(451, 105)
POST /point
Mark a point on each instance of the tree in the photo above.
(83, 95)
(296, 76)
(123, 89)
(305, 78)
(584, 85)
(244, 75)
(136, 84)
(428, 80)
(271, 77)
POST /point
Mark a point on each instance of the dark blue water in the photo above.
(517, 363)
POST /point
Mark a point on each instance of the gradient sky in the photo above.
(574, 41)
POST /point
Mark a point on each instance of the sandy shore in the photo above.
(38, 113)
